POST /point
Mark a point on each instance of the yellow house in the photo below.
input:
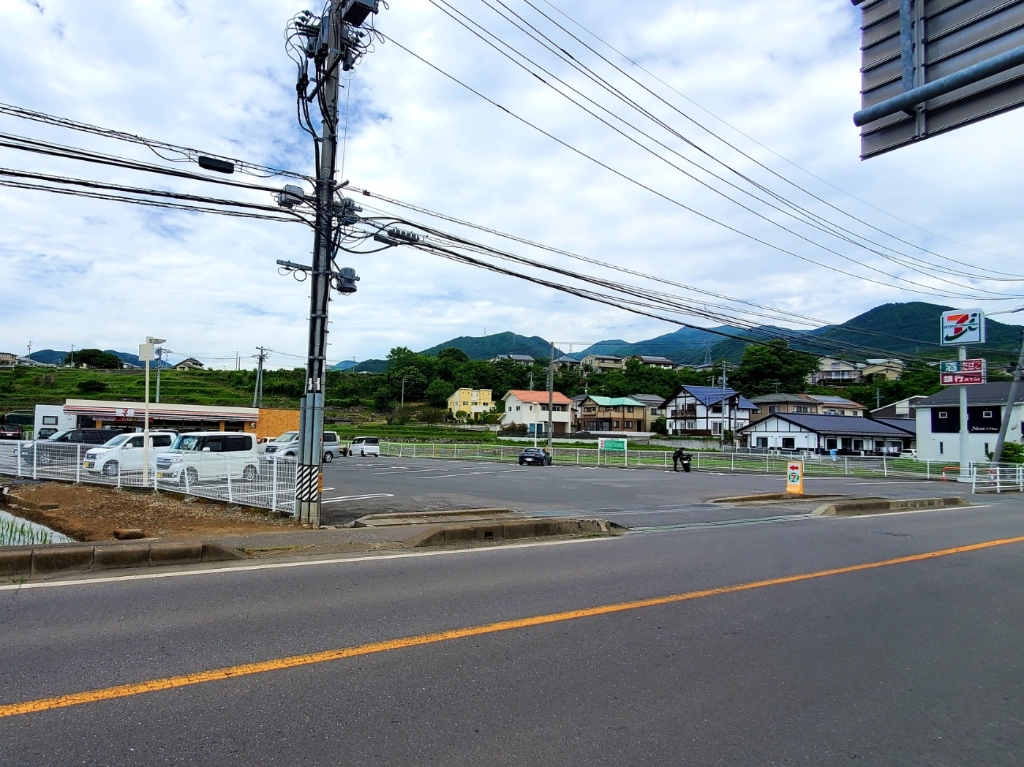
(472, 401)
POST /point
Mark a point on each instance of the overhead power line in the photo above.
(754, 238)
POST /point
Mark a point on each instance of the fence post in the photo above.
(230, 496)
(846, 465)
(766, 459)
(273, 485)
(119, 474)
(732, 461)
(577, 456)
(698, 461)
(885, 469)
(433, 450)
(19, 446)
(35, 460)
(927, 469)
(974, 479)
(78, 463)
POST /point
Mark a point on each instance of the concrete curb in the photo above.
(773, 497)
(510, 529)
(881, 505)
(399, 515)
(27, 561)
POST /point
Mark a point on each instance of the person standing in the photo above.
(677, 456)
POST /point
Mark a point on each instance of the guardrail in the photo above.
(751, 463)
(998, 479)
(243, 479)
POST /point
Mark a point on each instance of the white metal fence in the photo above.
(242, 478)
(768, 463)
(997, 478)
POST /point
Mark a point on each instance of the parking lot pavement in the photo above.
(632, 497)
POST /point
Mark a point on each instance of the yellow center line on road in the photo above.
(295, 661)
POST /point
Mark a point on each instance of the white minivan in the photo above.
(124, 452)
(364, 446)
(204, 455)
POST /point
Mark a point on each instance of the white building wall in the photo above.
(946, 446)
(530, 413)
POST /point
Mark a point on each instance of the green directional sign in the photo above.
(612, 445)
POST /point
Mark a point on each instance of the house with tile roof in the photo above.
(847, 435)
(530, 409)
(618, 414)
(707, 411)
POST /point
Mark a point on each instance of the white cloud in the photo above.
(208, 75)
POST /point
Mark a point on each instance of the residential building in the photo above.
(905, 408)
(603, 362)
(938, 422)
(619, 414)
(472, 401)
(653, 404)
(565, 361)
(832, 405)
(833, 371)
(190, 363)
(8, 360)
(770, 404)
(654, 361)
(530, 408)
(883, 369)
(705, 410)
(523, 359)
(847, 435)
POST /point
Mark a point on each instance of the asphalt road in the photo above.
(916, 662)
(632, 497)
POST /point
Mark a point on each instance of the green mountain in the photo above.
(485, 347)
(686, 345)
(911, 329)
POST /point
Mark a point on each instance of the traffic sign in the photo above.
(612, 445)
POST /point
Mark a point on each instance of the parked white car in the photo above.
(364, 446)
(207, 455)
(287, 446)
(124, 452)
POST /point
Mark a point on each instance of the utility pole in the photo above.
(159, 364)
(73, 357)
(257, 394)
(965, 453)
(403, 392)
(551, 392)
(333, 43)
(878, 398)
(721, 430)
(30, 350)
(1011, 400)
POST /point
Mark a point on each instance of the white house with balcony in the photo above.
(707, 410)
(530, 408)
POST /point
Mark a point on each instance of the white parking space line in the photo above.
(892, 482)
(410, 471)
(358, 497)
(473, 474)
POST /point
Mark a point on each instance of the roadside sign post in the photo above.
(960, 327)
(610, 445)
(795, 477)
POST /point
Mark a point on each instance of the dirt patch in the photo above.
(93, 513)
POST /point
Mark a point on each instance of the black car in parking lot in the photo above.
(535, 455)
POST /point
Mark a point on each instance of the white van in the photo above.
(287, 446)
(364, 446)
(204, 455)
(124, 452)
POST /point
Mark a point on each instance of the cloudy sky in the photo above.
(776, 80)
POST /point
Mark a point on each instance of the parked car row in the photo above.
(181, 458)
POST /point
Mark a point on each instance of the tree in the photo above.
(660, 425)
(91, 386)
(96, 358)
(772, 367)
(438, 392)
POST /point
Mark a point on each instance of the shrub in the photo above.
(91, 386)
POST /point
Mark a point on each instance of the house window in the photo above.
(771, 409)
(590, 410)
(788, 443)
(716, 409)
(943, 415)
(801, 409)
(762, 442)
(716, 428)
(630, 411)
(629, 424)
(517, 407)
(615, 424)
